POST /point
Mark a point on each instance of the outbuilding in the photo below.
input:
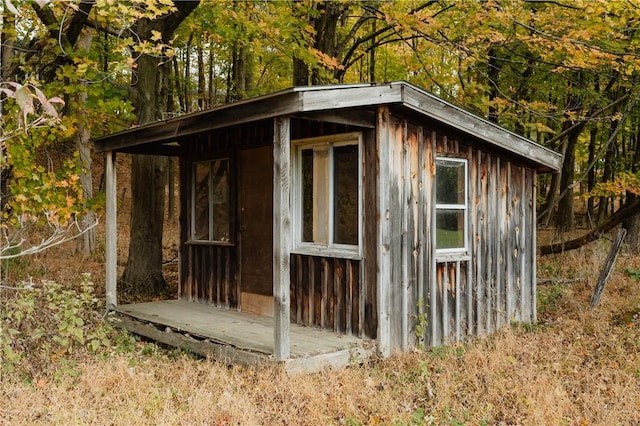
(323, 225)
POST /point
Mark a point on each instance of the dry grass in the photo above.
(578, 366)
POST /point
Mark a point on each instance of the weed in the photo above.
(633, 273)
(43, 325)
(548, 296)
(421, 325)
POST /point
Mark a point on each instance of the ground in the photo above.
(576, 366)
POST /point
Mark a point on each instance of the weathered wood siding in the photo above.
(327, 293)
(209, 272)
(434, 299)
(334, 293)
(210, 275)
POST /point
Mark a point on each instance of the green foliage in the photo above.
(42, 326)
(422, 323)
(633, 273)
(548, 296)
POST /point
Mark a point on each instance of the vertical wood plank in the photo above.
(311, 300)
(444, 292)
(402, 139)
(111, 244)
(423, 235)
(498, 238)
(338, 299)
(458, 297)
(385, 230)
(219, 283)
(473, 232)
(532, 248)
(396, 239)
(509, 246)
(525, 285)
(433, 282)
(183, 227)
(490, 241)
(300, 284)
(478, 254)
(349, 296)
(409, 224)
(467, 285)
(369, 270)
(319, 292)
(281, 237)
(324, 303)
(413, 230)
(518, 253)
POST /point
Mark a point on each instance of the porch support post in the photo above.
(281, 237)
(385, 231)
(111, 225)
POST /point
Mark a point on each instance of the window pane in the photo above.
(220, 200)
(450, 176)
(345, 181)
(201, 201)
(450, 229)
(307, 195)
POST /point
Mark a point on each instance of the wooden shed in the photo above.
(323, 225)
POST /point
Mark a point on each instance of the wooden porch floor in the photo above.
(239, 337)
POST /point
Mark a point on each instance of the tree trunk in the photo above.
(493, 73)
(86, 244)
(178, 86)
(7, 54)
(300, 73)
(142, 275)
(187, 74)
(565, 217)
(202, 93)
(607, 176)
(212, 84)
(372, 55)
(325, 24)
(632, 225)
(591, 174)
(143, 272)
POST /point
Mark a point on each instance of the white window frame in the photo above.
(464, 207)
(324, 143)
(192, 230)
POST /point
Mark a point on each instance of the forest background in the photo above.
(563, 73)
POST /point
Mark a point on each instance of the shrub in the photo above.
(43, 327)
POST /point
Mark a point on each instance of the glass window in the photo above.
(210, 201)
(451, 204)
(307, 194)
(327, 201)
(345, 194)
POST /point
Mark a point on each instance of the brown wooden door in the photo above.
(256, 230)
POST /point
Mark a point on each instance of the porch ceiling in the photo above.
(329, 102)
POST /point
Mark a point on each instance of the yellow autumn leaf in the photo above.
(156, 35)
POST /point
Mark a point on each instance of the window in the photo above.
(327, 200)
(451, 205)
(210, 212)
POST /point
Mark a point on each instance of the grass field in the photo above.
(577, 366)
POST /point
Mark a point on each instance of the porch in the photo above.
(239, 337)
